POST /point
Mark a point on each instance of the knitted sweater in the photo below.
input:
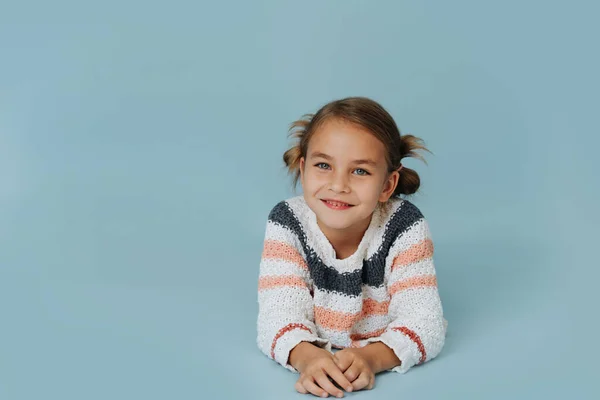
(386, 291)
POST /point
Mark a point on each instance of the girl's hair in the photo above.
(371, 116)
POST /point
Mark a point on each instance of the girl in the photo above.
(349, 264)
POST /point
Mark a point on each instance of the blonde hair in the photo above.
(371, 116)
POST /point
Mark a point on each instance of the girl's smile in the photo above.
(336, 205)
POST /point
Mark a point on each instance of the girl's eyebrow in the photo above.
(365, 161)
(328, 157)
(316, 154)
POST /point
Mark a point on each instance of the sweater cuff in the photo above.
(287, 342)
(402, 346)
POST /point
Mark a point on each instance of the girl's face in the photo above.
(345, 175)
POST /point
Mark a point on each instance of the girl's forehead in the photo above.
(345, 140)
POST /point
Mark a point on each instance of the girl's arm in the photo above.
(285, 304)
(418, 329)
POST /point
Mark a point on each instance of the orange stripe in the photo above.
(416, 281)
(415, 253)
(273, 249)
(373, 307)
(362, 336)
(341, 321)
(282, 332)
(415, 338)
(269, 282)
(335, 320)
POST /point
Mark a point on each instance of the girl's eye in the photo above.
(358, 171)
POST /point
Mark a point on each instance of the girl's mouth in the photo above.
(336, 205)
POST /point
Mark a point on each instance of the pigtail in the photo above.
(298, 132)
(409, 181)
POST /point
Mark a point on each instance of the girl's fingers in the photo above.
(300, 388)
(353, 372)
(339, 378)
(362, 381)
(313, 388)
(326, 384)
(342, 361)
(372, 383)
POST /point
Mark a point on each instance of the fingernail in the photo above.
(349, 388)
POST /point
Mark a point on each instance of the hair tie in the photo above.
(401, 166)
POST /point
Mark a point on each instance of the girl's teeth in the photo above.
(337, 204)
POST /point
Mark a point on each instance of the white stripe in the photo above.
(371, 323)
(271, 267)
(337, 302)
(418, 302)
(419, 268)
(286, 300)
(337, 338)
(379, 294)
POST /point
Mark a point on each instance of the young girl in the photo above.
(349, 264)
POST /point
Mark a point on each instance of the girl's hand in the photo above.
(356, 367)
(315, 375)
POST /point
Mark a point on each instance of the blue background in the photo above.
(140, 153)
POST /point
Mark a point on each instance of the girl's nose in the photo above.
(339, 183)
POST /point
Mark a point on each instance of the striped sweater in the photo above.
(386, 291)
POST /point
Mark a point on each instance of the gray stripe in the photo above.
(328, 278)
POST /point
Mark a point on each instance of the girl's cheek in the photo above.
(317, 178)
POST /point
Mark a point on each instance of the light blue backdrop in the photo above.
(140, 153)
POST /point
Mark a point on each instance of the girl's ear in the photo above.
(389, 186)
(302, 170)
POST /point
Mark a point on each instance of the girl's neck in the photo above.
(345, 242)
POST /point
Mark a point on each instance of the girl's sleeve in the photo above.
(285, 302)
(417, 329)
